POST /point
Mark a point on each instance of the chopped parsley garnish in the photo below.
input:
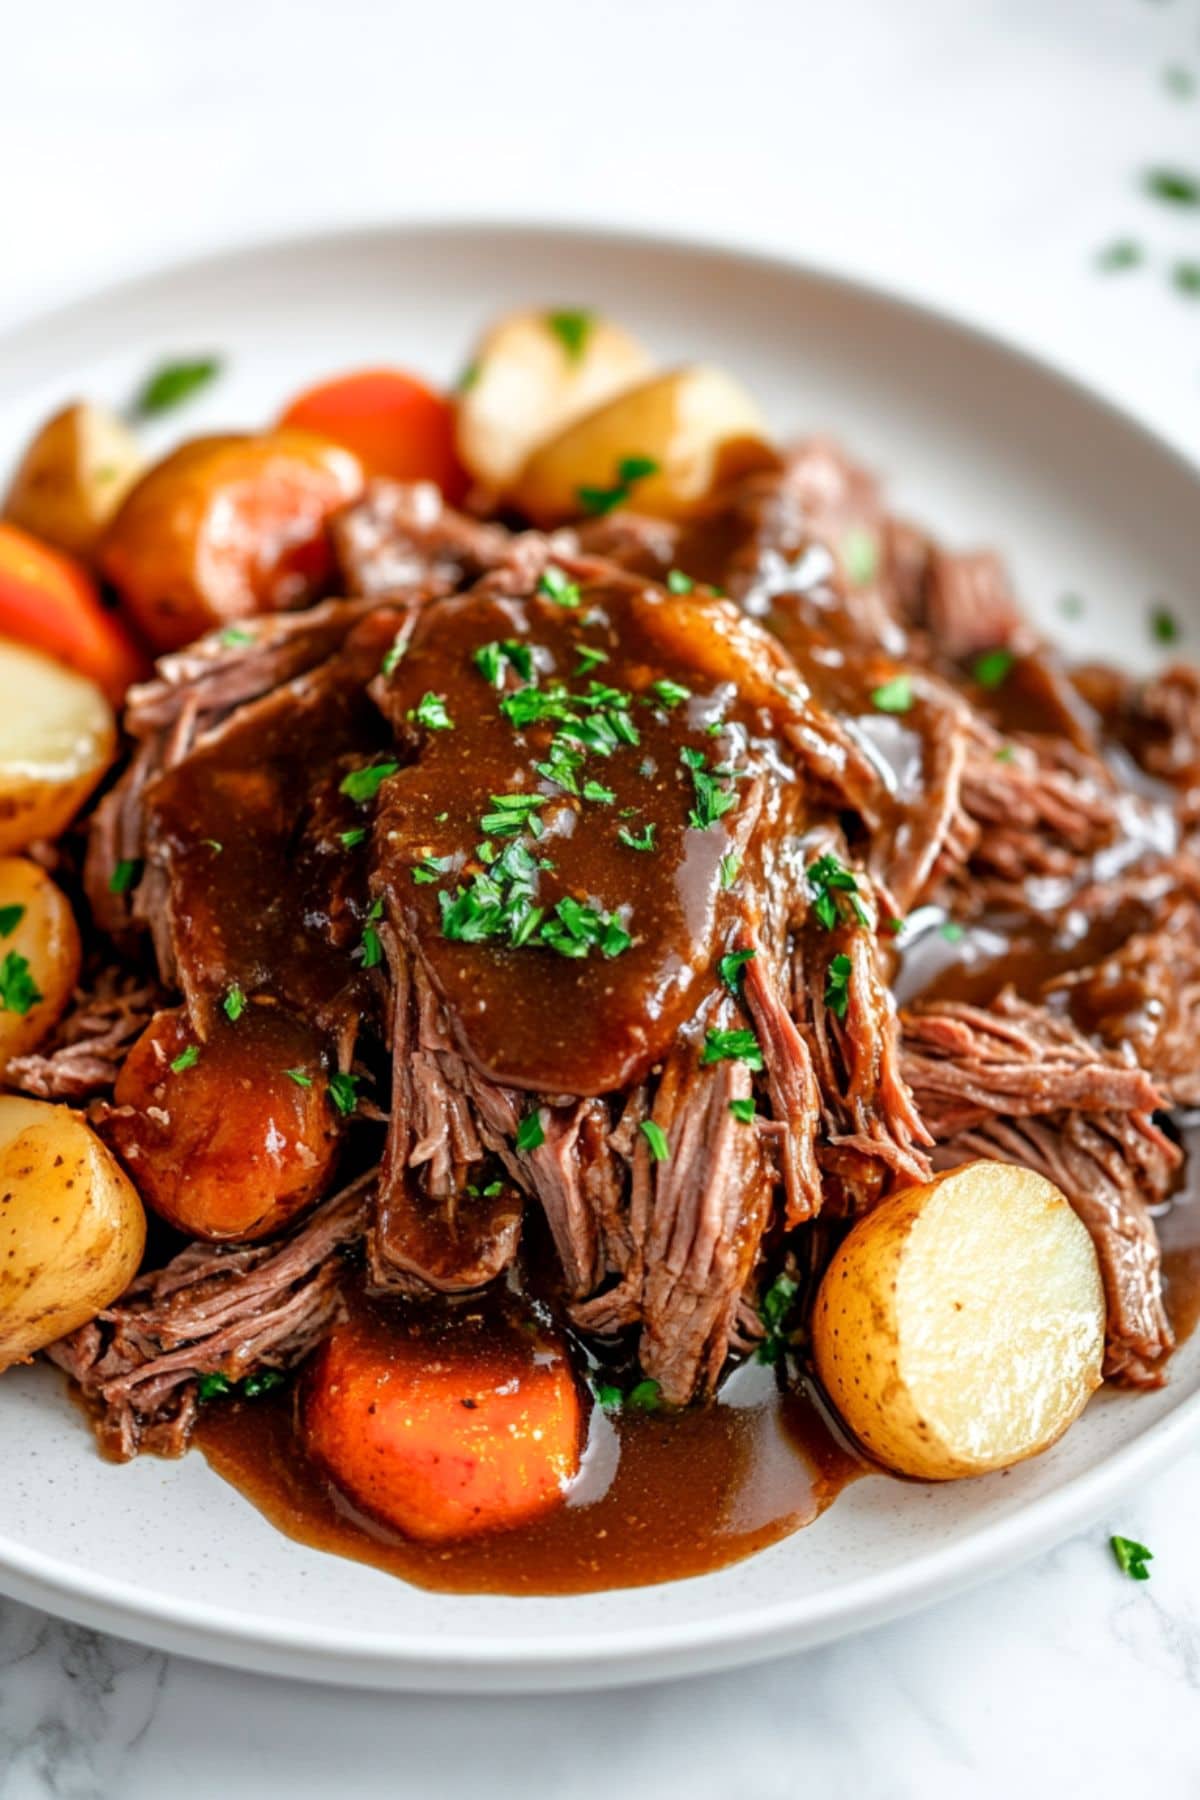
(213, 1387)
(490, 660)
(731, 1046)
(656, 1137)
(173, 383)
(1164, 625)
(608, 1395)
(559, 587)
(262, 1382)
(597, 792)
(1123, 253)
(991, 669)
(837, 985)
(371, 946)
(213, 844)
(364, 784)
(343, 1091)
(530, 1135)
(430, 711)
(124, 876)
(671, 693)
(1132, 1558)
(827, 877)
(894, 696)
(630, 469)
(952, 931)
(10, 918)
(713, 799)
(18, 990)
(679, 583)
(1006, 754)
(512, 814)
(860, 554)
(637, 840)
(645, 1397)
(773, 1310)
(731, 866)
(1174, 186)
(589, 658)
(1179, 81)
(234, 1004)
(429, 868)
(730, 968)
(572, 329)
(352, 838)
(299, 1077)
(743, 1110)
(1186, 277)
(187, 1059)
(234, 636)
(468, 378)
(394, 656)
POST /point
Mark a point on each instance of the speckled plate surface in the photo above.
(973, 438)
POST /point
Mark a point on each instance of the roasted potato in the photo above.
(72, 1229)
(57, 737)
(231, 1137)
(960, 1326)
(530, 375)
(39, 955)
(661, 448)
(73, 477)
(225, 527)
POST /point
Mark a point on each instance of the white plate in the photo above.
(973, 438)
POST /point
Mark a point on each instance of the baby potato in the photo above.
(72, 478)
(530, 375)
(39, 955)
(695, 427)
(960, 1326)
(225, 527)
(57, 737)
(230, 1138)
(72, 1229)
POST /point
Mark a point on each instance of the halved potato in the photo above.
(72, 1229)
(73, 476)
(39, 955)
(57, 737)
(960, 1327)
(693, 427)
(531, 373)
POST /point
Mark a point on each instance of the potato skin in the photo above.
(439, 1436)
(960, 1326)
(72, 477)
(229, 1148)
(57, 738)
(47, 937)
(225, 527)
(527, 383)
(697, 424)
(72, 1229)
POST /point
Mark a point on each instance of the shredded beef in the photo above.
(402, 538)
(1018, 1084)
(210, 1311)
(82, 1055)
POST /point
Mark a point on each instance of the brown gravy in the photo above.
(659, 1497)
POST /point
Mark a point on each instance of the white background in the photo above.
(976, 153)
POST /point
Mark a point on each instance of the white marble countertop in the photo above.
(975, 155)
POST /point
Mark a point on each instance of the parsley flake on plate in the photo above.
(1132, 1558)
(172, 383)
(572, 328)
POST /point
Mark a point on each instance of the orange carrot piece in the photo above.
(49, 600)
(393, 423)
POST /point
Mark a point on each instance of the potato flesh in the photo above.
(72, 1229)
(72, 478)
(527, 383)
(698, 425)
(46, 939)
(57, 737)
(960, 1327)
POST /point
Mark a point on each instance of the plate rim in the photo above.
(465, 1663)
